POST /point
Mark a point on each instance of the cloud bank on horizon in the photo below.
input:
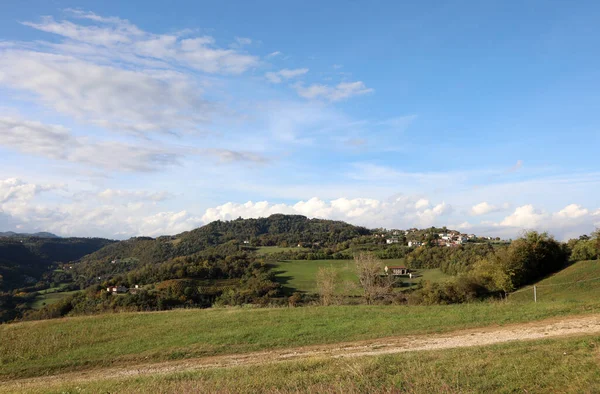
(109, 129)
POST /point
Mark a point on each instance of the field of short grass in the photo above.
(300, 275)
(559, 287)
(566, 365)
(50, 297)
(278, 249)
(43, 347)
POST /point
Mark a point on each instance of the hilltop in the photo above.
(12, 234)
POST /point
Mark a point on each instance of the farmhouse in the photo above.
(396, 270)
(117, 289)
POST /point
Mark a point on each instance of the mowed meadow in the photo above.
(565, 365)
(578, 282)
(300, 275)
(50, 346)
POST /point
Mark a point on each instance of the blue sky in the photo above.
(129, 118)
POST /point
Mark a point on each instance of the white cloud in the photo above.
(135, 195)
(273, 54)
(572, 211)
(16, 190)
(121, 100)
(339, 92)
(422, 203)
(401, 211)
(134, 45)
(285, 74)
(109, 213)
(484, 208)
(57, 142)
(525, 217)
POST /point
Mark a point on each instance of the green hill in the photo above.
(23, 260)
(300, 275)
(578, 282)
(277, 229)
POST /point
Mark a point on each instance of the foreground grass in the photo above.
(559, 287)
(570, 365)
(300, 275)
(43, 347)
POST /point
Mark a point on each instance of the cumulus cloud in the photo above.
(110, 213)
(400, 211)
(14, 189)
(569, 222)
(572, 211)
(525, 216)
(285, 74)
(484, 208)
(338, 92)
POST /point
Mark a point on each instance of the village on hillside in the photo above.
(414, 237)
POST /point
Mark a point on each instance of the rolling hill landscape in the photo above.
(258, 296)
(309, 196)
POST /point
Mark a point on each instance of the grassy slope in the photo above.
(566, 365)
(278, 249)
(35, 348)
(299, 275)
(50, 298)
(556, 287)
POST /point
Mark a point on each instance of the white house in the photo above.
(117, 289)
(396, 270)
(414, 243)
(392, 240)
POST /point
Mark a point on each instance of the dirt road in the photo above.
(580, 325)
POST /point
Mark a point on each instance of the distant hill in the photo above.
(277, 229)
(12, 234)
(23, 260)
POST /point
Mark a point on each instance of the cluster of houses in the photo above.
(450, 238)
(123, 289)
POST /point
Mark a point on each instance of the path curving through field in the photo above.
(552, 328)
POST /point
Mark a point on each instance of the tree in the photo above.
(326, 282)
(584, 250)
(374, 284)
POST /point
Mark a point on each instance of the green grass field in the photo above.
(48, 346)
(300, 275)
(278, 249)
(49, 298)
(558, 287)
(566, 365)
